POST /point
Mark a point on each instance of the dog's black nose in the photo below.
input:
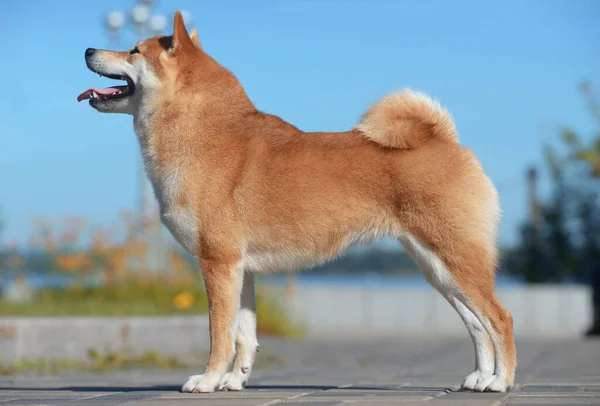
(89, 52)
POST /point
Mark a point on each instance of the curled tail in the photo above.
(406, 120)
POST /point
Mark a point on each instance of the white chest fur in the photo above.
(167, 184)
(183, 226)
(179, 219)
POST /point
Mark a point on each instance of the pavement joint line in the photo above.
(513, 392)
(299, 395)
(444, 393)
(92, 396)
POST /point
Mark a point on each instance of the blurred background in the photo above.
(79, 232)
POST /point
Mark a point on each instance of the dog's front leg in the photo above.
(223, 280)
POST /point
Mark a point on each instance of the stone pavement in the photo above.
(359, 372)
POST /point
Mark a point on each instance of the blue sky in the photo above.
(507, 70)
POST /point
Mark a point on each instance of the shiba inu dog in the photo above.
(246, 192)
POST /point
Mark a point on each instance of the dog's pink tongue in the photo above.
(88, 93)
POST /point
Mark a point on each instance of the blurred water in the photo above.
(38, 280)
(395, 281)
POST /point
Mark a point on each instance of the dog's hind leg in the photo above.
(498, 322)
(484, 350)
(465, 277)
(246, 343)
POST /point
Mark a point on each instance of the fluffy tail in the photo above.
(406, 120)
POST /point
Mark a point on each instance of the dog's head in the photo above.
(150, 69)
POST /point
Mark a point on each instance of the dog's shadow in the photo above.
(172, 388)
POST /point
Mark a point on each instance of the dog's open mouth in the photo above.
(109, 93)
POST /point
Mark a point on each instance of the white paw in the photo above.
(233, 381)
(499, 384)
(471, 380)
(201, 383)
(483, 382)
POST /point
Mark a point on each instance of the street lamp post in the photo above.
(144, 23)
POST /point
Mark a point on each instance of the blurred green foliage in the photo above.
(95, 362)
(565, 244)
(146, 297)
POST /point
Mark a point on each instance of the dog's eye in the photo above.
(135, 50)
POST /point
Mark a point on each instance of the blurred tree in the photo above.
(567, 234)
(545, 252)
(565, 246)
(556, 218)
(589, 156)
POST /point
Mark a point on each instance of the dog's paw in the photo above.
(499, 384)
(233, 381)
(483, 382)
(471, 380)
(205, 383)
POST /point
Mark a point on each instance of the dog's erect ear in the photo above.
(181, 39)
(194, 38)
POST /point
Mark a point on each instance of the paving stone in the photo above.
(309, 403)
(554, 402)
(477, 396)
(38, 401)
(199, 402)
(387, 402)
(549, 388)
(558, 394)
(464, 402)
(117, 398)
(252, 394)
(371, 399)
(373, 394)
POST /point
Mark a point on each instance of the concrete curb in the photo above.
(561, 311)
(72, 337)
